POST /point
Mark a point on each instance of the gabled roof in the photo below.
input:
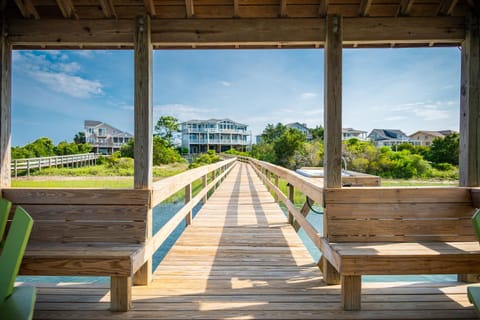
(296, 124)
(388, 134)
(430, 133)
(351, 130)
(96, 124)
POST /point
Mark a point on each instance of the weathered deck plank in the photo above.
(240, 259)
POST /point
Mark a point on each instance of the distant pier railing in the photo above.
(73, 160)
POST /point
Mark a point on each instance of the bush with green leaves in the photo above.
(205, 158)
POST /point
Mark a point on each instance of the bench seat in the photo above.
(82, 259)
(397, 231)
(387, 258)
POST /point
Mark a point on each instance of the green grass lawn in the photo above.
(86, 182)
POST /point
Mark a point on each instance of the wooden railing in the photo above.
(268, 172)
(210, 176)
(55, 161)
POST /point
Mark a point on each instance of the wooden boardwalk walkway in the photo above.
(240, 259)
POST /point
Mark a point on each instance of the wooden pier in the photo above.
(241, 259)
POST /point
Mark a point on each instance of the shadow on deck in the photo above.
(240, 259)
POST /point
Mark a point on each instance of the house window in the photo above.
(102, 132)
(426, 137)
(115, 140)
(90, 130)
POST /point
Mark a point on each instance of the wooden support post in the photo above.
(351, 292)
(204, 184)
(121, 293)
(188, 197)
(291, 197)
(469, 165)
(304, 211)
(143, 148)
(275, 196)
(5, 108)
(332, 119)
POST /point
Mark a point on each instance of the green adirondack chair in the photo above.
(474, 291)
(15, 302)
(5, 206)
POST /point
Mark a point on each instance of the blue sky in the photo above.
(53, 92)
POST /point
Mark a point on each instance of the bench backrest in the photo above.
(399, 214)
(84, 215)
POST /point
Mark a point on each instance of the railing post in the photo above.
(15, 162)
(275, 196)
(291, 197)
(188, 197)
(204, 185)
(28, 167)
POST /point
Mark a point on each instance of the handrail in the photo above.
(165, 188)
(298, 217)
(43, 162)
(185, 211)
(308, 188)
(169, 186)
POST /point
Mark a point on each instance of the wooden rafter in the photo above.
(236, 8)
(27, 9)
(283, 8)
(405, 7)
(323, 8)
(67, 8)
(108, 8)
(364, 7)
(190, 8)
(445, 8)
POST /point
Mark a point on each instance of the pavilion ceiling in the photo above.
(235, 23)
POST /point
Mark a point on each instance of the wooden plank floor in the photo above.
(241, 260)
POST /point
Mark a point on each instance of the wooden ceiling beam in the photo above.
(190, 8)
(67, 8)
(445, 8)
(104, 33)
(283, 8)
(405, 7)
(108, 8)
(364, 7)
(27, 9)
(150, 6)
(323, 8)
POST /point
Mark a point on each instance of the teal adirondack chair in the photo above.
(15, 302)
(5, 206)
(474, 291)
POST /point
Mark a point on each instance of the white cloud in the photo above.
(85, 53)
(395, 118)
(308, 95)
(71, 85)
(184, 112)
(56, 73)
(226, 83)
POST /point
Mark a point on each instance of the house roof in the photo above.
(297, 124)
(387, 134)
(95, 124)
(215, 121)
(351, 130)
(430, 133)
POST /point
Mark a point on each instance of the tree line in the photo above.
(44, 147)
(288, 147)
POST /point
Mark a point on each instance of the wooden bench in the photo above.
(84, 232)
(398, 231)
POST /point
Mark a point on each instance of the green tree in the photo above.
(317, 133)
(445, 150)
(162, 154)
(271, 132)
(286, 145)
(79, 138)
(165, 127)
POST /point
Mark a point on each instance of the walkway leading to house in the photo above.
(240, 259)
